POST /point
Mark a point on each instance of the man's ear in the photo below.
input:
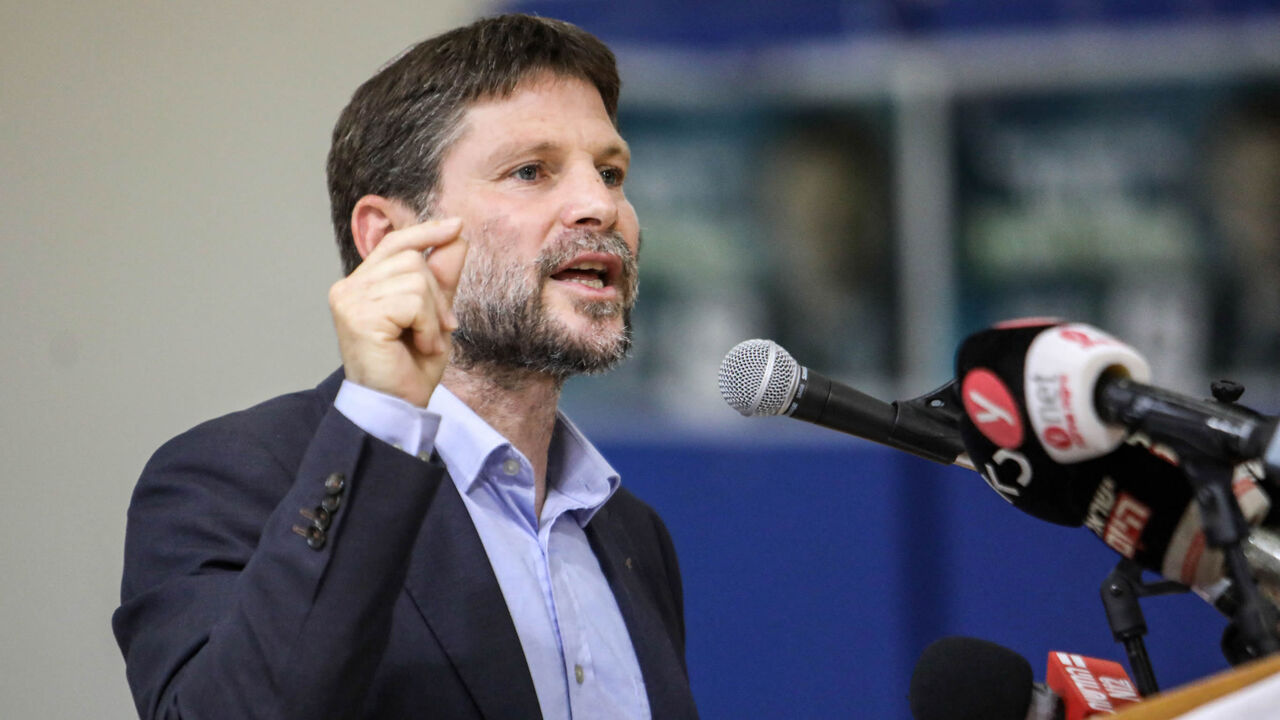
(374, 217)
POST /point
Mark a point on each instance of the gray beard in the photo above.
(503, 325)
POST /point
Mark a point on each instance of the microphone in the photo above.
(1031, 391)
(1032, 431)
(759, 378)
(1135, 498)
(1085, 391)
(964, 678)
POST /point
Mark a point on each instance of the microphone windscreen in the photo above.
(998, 434)
(758, 377)
(964, 678)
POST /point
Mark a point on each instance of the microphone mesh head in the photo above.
(964, 678)
(758, 377)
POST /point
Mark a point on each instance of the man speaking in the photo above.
(424, 534)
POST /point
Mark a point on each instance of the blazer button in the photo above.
(315, 537)
(335, 483)
(331, 503)
(320, 518)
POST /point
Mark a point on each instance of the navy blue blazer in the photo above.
(281, 563)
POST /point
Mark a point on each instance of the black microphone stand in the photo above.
(1225, 529)
(1207, 460)
(1120, 592)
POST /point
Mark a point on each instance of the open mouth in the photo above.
(595, 270)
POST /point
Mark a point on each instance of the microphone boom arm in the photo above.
(1223, 431)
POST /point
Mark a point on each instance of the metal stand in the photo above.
(1207, 450)
(1225, 529)
(1120, 592)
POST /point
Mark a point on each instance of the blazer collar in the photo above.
(665, 680)
(453, 586)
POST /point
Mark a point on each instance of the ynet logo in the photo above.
(990, 407)
(1049, 404)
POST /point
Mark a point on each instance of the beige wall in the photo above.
(166, 257)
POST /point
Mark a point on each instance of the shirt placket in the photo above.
(578, 664)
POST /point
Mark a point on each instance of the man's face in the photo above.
(551, 275)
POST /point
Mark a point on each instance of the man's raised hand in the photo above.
(394, 314)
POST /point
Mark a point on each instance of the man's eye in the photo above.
(611, 176)
(526, 172)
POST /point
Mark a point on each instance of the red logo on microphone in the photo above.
(1125, 526)
(1089, 686)
(991, 408)
(1056, 437)
(1084, 339)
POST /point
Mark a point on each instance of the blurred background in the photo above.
(864, 182)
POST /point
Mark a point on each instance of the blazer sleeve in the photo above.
(262, 563)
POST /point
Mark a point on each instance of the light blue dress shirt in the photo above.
(574, 639)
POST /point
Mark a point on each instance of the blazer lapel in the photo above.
(455, 589)
(665, 682)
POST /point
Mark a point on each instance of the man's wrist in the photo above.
(388, 418)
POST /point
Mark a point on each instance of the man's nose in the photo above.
(588, 201)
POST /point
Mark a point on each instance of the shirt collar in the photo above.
(575, 468)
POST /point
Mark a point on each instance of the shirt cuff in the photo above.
(388, 418)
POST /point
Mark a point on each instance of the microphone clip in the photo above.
(932, 420)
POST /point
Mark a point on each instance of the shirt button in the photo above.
(511, 466)
(578, 674)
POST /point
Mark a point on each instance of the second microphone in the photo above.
(760, 378)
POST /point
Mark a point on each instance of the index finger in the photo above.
(420, 237)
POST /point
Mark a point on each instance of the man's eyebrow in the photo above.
(511, 150)
(618, 149)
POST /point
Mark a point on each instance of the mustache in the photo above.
(572, 243)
